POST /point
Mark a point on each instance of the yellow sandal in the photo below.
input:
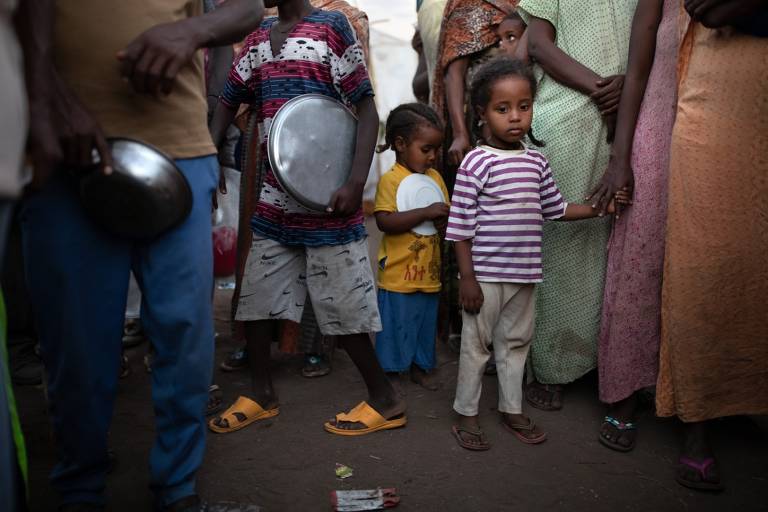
(241, 414)
(367, 415)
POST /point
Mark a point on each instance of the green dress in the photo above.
(595, 33)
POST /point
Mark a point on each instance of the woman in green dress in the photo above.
(581, 46)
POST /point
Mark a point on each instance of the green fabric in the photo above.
(595, 33)
(18, 437)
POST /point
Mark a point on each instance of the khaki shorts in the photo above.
(337, 279)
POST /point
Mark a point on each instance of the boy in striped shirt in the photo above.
(504, 192)
(298, 254)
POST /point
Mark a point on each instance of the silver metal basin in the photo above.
(145, 196)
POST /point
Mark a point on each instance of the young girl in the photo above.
(504, 191)
(408, 262)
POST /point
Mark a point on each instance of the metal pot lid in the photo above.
(311, 145)
(145, 196)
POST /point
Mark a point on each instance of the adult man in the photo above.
(126, 69)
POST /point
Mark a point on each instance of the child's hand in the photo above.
(470, 295)
(346, 200)
(436, 211)
(620, 201)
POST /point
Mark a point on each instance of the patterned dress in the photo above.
(628, 358)
(569, 301)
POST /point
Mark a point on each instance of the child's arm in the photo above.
(348, 198)
(470, 294)
(521, 51)
(402, 222)
(575, 211)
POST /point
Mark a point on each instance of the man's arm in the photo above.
(152, 60)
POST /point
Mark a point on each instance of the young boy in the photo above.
(296, 252)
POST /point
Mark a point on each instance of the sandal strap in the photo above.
(620, 425)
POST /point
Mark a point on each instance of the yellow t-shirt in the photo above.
(407, 262)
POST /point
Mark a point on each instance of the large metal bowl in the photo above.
(311, 145)
(145, 196)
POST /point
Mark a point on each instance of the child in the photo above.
(409, 263)
(504, 191)
(296, 252)
(510, 31)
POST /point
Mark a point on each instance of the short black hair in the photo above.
(490, 73)
(513, 16)
(405, 119)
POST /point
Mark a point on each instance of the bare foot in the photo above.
(426, 379)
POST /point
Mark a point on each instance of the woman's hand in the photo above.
(470, 295)
(459, 147)
(608, 94)
(617, 177)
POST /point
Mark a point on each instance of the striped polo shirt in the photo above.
(323, 56)
(500, 201)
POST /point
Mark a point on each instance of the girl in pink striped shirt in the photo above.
(504, 191)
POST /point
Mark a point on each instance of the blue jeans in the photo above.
(77, 275)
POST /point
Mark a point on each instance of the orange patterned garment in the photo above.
(714, 345)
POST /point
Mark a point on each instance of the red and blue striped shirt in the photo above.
(323, 56)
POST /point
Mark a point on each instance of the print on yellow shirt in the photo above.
(407, 262)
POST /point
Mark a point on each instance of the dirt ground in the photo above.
(287, 464)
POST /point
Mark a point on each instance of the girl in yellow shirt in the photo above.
(412, 211)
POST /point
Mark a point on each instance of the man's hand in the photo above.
(152, 60)
(43, 143)
(470, 295)
(608, 94)
(346, 200)
(80, 133)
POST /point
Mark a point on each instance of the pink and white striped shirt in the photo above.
(500, 201)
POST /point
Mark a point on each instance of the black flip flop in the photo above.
(479, 434)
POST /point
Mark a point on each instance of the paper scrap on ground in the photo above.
(361, 500)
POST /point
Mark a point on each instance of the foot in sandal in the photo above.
(368, 417)
(524, 428)
(547, 397)
(241, 414)
(469, 435)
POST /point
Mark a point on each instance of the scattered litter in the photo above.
(375, 457)
(343, 471)
(369, 499)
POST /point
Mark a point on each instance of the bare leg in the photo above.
(259, 336)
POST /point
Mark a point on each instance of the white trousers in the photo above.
(505, 320)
